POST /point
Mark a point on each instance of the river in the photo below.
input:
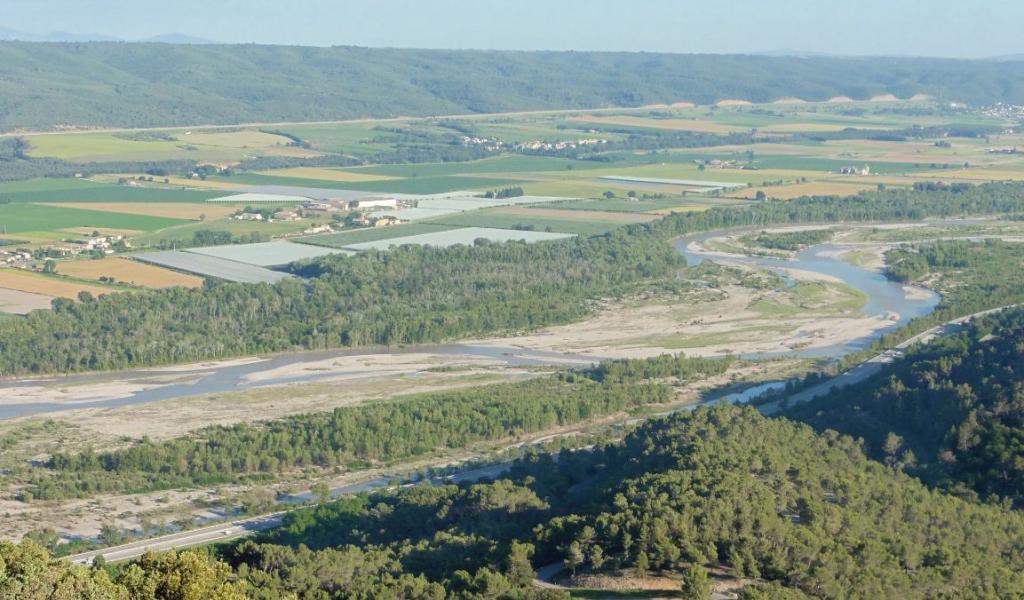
(884, 297)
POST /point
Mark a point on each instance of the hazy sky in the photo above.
(959, 28)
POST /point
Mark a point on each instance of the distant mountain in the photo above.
(177, 38)
(44, 85)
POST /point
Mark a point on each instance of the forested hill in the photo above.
(802, 515)
(952, 412)
(44, 85)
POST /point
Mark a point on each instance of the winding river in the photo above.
(885, 297)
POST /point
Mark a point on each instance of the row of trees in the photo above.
(381, 432)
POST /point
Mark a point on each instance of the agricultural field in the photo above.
(321, 174)
(570, 162)
(206, 145)
(82, 190)
(124, 270)
(17, 302)
(600, 216)
(37, 283)
(465, 236)
(524, 221)
(19, 218)
(411, 185)
(632, 206)
(796, 190)
(170, 210)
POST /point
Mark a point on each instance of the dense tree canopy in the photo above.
(806, 514)
(951, 412)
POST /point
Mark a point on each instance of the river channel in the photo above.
(884, 297)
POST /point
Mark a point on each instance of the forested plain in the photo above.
(423, 294)
(45, 85)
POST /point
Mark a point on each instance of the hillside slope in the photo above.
(44, 85)
(952, 412)
(805, 514)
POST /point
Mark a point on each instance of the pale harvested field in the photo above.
(790, 101)
(813, 188)
(24, 281)
(20, 303)
(174, 210)
(260, 142)
(325, 174)
(907, 180)
(576, 215)
(127, 271)
(780, 148)
(975, 175)
(88, 231)
(678, 124)
(679, 209)
(840, 99)
(248, 138)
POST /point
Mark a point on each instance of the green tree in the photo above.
(574, 558)
(321, 492)
(110, 534)
(696, 583)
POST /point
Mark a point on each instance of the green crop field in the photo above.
(15, 218)
(372, 234)
(79, 190)
(620, 204)
(212, 144)
(488, 218)
(502, 164)
(46, 184)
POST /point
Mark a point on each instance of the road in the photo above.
(185, 539)
(248, 526)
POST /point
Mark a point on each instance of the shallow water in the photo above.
(885, 297)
